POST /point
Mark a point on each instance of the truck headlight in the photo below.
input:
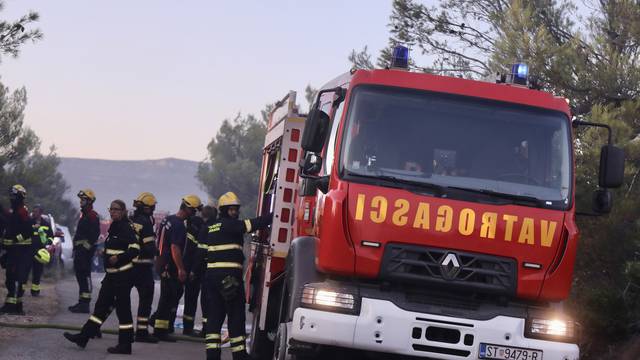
(554, 329)
(338, 300)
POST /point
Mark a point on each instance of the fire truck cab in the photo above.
(420, 215)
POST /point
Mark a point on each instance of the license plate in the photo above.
(490, 351)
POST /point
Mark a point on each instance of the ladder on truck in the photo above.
(278, 192)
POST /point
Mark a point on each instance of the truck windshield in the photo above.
(457, 142)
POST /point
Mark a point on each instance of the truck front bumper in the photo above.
(384, 327)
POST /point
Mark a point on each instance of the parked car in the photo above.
(63, 245)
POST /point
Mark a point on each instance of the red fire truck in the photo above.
(421, 215)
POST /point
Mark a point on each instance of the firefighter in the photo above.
(143, 223)
(195, 268)
(17, 241)
(42, 236)
(84, 240)
(210, 216)
(169, 264)
(223, 279)
(121, 247)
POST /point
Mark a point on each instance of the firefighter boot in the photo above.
(79, 339)
(163, 336)
(81, 307)
(143, 336)
(19, 308)
(8, 309)
(35, 290)
(187, 327)
(240, 355)
(124, 349)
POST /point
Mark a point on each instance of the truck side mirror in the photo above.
(602, 201)
(611, 174)
(315, 132)
(311, 164)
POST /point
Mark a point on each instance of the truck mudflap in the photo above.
(383, 327)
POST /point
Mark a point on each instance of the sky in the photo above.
(150, 79)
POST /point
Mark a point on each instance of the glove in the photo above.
(230, 288)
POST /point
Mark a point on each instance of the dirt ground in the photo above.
(38, 309)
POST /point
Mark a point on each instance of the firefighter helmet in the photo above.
(145, 199)
(18, 190)
(87, 194)
(42, 256)
(228, 199)
(192, 201)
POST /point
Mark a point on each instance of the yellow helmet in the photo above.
(87, 194)
(192, 201)
(146, 199)
(42, 256)
(228, 199)
(18, 189)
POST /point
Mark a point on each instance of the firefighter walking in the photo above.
(18, 244)
(42, 236)
(121, 247)
(224, 287)
(143, 224)
(169, 264)
(84, 240)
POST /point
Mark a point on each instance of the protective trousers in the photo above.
(17, 274)
(82, 267)
(115, 291)
(143, 282)
(191, 292)
(203, 307)
(218, 308)
(170, 289)
(36, 268)
(174, 309)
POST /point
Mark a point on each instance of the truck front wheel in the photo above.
(260, 347)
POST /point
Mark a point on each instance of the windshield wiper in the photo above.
(515, 199)
(437, 189)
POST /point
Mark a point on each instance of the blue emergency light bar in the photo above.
(520, 73)
(400, 57)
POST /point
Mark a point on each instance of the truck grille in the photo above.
(461, 270)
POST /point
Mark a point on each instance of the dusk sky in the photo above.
(150, 79)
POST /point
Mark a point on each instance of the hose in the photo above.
(105, 331)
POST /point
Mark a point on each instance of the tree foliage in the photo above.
(234, 161)
(14, 34)
(592, 60)
(16, 140)
(21, 161)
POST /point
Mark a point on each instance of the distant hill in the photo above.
(168, 179)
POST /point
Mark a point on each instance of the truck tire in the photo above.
(300, 270)
(281, 346)
(261, 347)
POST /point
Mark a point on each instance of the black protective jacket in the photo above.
(87, 231)
(190, 251)
(146, 235)
(225, 240)
(122, 242)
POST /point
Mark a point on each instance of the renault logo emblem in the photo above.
(450, 266)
